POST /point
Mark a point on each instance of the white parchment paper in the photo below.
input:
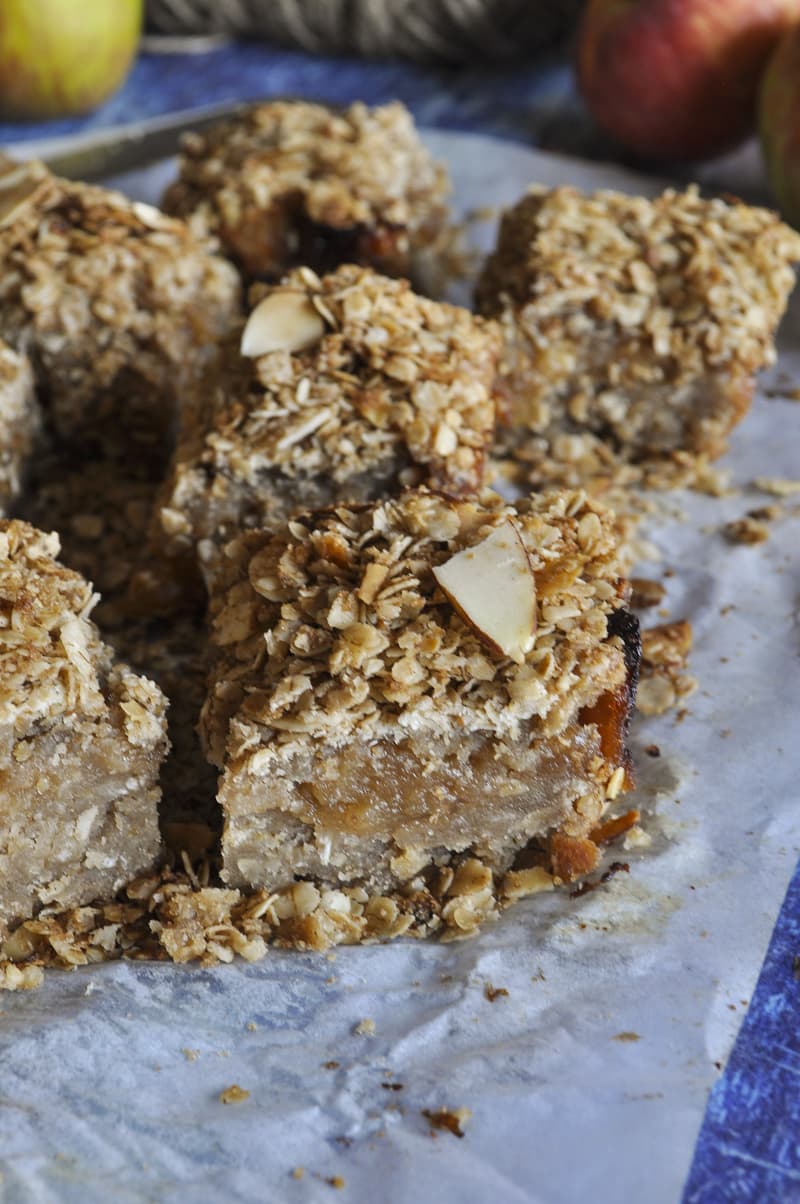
(110, 1078)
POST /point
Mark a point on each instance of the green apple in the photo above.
(60, 57)
(779, 124)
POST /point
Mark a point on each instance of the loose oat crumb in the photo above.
(365, 1028)
(336, 1181)
(493, 993)
(332, 1065)
(191, 1055)
(627, 1036)
(746, 530)
(234, 1094)
(646, 592)
(252, 1027)
(298, 1172)
(637, 838)
(451, 1120)
(778, 486)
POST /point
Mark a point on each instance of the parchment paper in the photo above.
(110, 1078)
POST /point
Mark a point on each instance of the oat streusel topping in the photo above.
(49, 648)
(695, 283)
(356, 166)
(394, 375)
(341, 629)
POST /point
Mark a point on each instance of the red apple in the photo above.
(779, 124)
(678, 79)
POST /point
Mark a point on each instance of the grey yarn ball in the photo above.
(444, 31)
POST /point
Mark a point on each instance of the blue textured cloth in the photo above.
(749, 1145)
(521, 103)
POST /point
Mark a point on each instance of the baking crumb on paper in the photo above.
(626, 1036)
(746, 530)
(234, 1094)
(492, 993)
(364, 1028)
(778, 486)
(452, 1120)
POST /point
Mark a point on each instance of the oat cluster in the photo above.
(694, 283)
(175, 915)
(340, 628)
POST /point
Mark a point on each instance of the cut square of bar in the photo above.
(350, 386)
(81, 741)
(421, 686)
(119, 307)
(289, 183)
(20, 422)
(633, 328)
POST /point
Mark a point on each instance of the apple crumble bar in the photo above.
(291, 183)
(633, 327)
(345, 387)
(20, 421)
(118, 306)
(81, 741)
(419, 687)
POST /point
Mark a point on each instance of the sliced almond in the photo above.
(283, 321)
(493, 589)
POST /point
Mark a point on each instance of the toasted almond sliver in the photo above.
(283, 321)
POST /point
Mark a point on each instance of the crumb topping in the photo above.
(354, 166)
(340, 628)
(695, 283)
(394, 375)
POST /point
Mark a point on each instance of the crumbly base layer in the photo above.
(177, 915)
(546, 413)
(377, 815)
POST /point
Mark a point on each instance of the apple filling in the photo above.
(379, 813)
